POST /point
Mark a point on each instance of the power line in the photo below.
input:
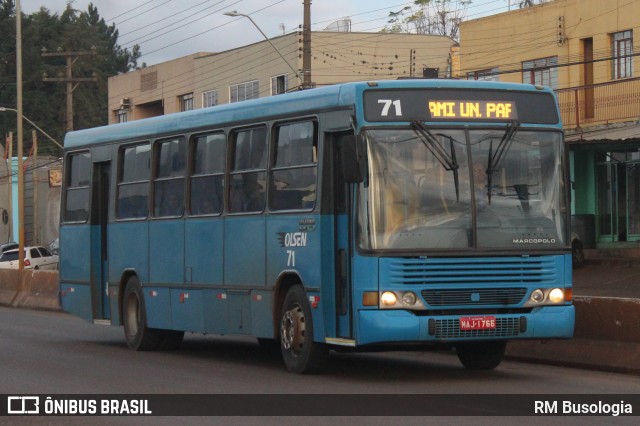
(130, 10)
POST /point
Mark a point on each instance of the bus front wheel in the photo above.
(138, 336)
(300, 353)
(481, 355)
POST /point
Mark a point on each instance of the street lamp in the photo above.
(235, 13)
(3, 109)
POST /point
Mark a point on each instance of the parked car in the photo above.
(8, 246)
(577, 252)
(34, 258)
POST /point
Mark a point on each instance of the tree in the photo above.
(441, 17)
(530, 3)
(44, 103)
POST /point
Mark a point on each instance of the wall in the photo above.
(506, 40)
(336, 57)
(163, 82)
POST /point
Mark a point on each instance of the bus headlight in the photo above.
(556, 296)
(548, 296)
(388, 298)
(537, 296)
(400, 300)
(409, 298)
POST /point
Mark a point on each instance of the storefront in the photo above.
(605, 178)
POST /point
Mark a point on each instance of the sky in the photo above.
(169, 29)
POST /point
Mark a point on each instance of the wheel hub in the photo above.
(293, 329)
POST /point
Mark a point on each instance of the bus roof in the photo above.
(301, 102)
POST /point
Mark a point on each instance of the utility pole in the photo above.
(71, 58)
(306, 46)
(20, 135)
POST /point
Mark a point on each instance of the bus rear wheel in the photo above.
(481, 355)
(139, 337)
(300, 353)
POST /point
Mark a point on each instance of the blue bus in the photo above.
(361, 216)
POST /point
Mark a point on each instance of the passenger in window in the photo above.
(172, 205)
(248, 195)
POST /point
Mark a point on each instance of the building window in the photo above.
(279, 84)
(121, 116)
(209, 98)
(244, 91)
(622, 49)
(541, 72)
(484, 75)
(186, 102)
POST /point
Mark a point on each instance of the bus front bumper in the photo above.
(400, 326)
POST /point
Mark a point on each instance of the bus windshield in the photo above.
(457, 189)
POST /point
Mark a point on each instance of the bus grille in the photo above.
(474, 297)
(507, 271)
(450, 328)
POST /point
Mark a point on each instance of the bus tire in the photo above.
(481, 355)
(300, 353)
(139, 337)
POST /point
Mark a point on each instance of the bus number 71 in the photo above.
(387, 106)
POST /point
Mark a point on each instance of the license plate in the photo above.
(478, 323)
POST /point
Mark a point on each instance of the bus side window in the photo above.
(78, 171)
(168, 182)
(248, 170)
(207, 174)
(133, 182)
(294, 170)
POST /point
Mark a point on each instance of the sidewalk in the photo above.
(606, 294)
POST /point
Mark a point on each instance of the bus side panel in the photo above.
(294, 246)
(215, 311)
(128, 251)
(75, 271)
(166, 252)
(166, 270)
(186, 308)
(203, 251)
(244, 251)
(261, 312)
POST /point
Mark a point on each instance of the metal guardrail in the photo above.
(600, 104)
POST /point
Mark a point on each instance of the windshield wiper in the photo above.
(494, 159)
(448, 161)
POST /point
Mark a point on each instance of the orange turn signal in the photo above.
(370, 298)
(568, 294)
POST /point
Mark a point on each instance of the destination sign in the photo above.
(459, 105)
(490, 110)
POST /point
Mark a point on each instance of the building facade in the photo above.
(584, 50)
(261, 69)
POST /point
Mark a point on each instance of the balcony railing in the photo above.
(600, 104)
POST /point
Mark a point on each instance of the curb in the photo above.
(605, 338)
(29, 289)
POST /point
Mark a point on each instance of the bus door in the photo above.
(342, 205)
(98, 249)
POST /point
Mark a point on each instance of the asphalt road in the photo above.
(55, 353)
